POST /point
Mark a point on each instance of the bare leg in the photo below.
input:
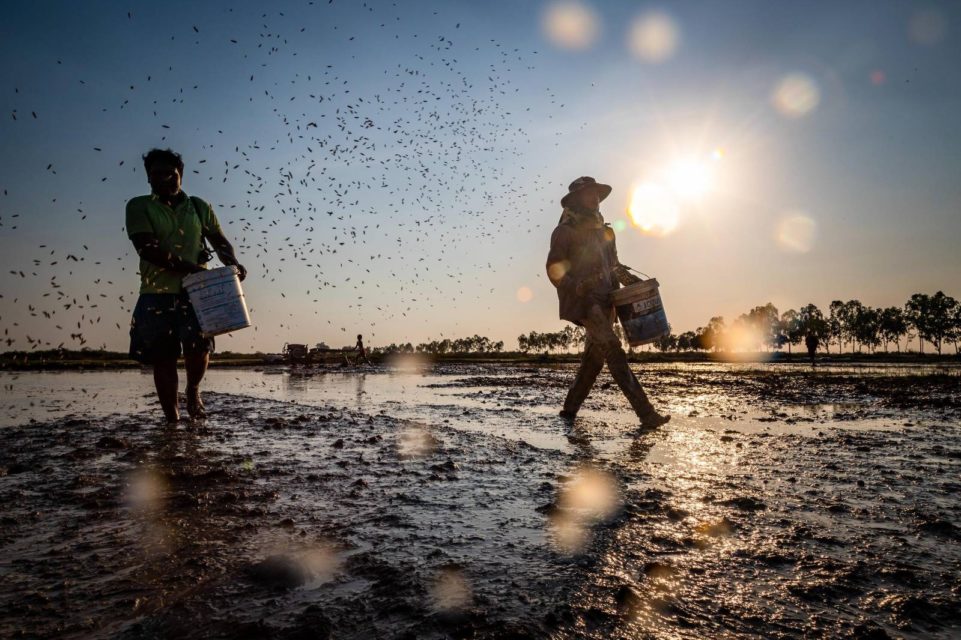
(196, 366)
(165, 380)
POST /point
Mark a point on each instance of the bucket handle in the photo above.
(636, 271)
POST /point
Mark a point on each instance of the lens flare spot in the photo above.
(408, 362)
(568, 533)
(592, 493)
(927, 27)
(321, 562)
(742, 338)
(450, 591)
(524, 294)
(571, 25)
(654, 37)
(619, 225)
(796, 233)
(654, 210)
(878, 77)
(557, 270)
(416, 441)
(796, 95)
(146, 490)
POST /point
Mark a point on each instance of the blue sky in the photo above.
(394, 169)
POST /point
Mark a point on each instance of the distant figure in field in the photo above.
(361, 351)
(812, 342)
(168, 229)
(583, 266)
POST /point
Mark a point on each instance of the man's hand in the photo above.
(625, 277)
(226, 253)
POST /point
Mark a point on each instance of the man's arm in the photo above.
(148, 248)
(226, 252)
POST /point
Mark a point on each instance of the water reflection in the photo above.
(48, 395)
(360, 381)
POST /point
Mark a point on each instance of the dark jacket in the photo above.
(582, 251)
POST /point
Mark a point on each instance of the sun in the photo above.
(689, 179)
(677, 187)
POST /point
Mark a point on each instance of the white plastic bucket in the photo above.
(641, 312)
(218, 300)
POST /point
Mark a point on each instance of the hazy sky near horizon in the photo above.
(395, 168)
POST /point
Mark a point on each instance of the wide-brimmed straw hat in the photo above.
(585, 182)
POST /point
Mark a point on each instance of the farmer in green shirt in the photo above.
(167, 228)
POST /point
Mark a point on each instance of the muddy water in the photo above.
(779, 502)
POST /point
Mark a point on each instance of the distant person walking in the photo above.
(361, 350)
(583, 266)
(168, 229)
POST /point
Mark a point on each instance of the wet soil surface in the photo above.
(777, 504)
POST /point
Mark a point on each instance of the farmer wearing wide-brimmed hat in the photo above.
(583, 265)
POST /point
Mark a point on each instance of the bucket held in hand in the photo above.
(641, 312)
(218, 300)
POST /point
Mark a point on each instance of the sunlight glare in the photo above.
(689, 179)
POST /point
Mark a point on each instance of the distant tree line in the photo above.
(929, 318)
(935, 319)
(472, 344)
(563, 340)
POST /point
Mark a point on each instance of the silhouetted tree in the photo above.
(835, 324)
(687, 341)
(790, 329)
(917, 312)
(866, 325)
(711, 337)
(849, 321)
(893, 326)
(944, 308)
(954, 336)
(667, 342)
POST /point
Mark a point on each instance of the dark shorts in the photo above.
(163, 326)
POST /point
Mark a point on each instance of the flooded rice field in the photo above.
(452, 501)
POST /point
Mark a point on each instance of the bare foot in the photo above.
(195, 406)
